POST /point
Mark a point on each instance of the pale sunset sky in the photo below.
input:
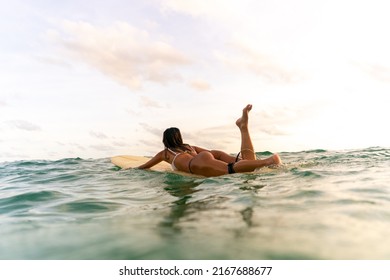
(95, 79)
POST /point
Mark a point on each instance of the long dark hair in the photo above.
(172, 139)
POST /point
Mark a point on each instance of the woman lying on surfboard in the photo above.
(196, 160)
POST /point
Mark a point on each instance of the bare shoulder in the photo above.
(161, 155)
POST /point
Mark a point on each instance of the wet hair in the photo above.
(172, 139)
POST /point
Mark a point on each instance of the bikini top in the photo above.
(174, 158)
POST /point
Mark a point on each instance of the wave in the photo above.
(48, 206)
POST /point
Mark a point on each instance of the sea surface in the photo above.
(320, 205)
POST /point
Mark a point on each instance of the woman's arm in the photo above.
(153, 161)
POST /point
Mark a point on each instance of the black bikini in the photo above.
(230, 168)
(230, 165)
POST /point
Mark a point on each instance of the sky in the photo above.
(94, 79)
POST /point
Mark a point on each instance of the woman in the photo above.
(196, 160)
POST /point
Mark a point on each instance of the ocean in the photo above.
(320, 205)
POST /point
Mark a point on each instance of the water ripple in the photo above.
(320, 205)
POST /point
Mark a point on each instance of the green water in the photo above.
(320, 205)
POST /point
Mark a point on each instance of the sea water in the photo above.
(319, 205)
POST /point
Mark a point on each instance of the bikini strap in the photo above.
(172, 151)
(189, 166)
(230, 168)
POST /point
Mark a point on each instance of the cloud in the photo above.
(98, 135)
(76, 145)
(377, 71)
(274, 130)
(13, 155)
(147, 102)
(216, 137)
(53, 61)
(104, 148)
(129, 55)
(217, 9)
(200, 85)
(251, 35)
(152, 130)
(24, 125)
(120, 143)
(242, 56)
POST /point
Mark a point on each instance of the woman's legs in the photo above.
(251, 165)
(220, 155)
(205, 164)
(249, 162)
(247, 150)
(214, 163)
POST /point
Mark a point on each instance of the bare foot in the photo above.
(276, 159)
(242, 122)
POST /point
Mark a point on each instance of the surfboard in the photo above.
(128, 161)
